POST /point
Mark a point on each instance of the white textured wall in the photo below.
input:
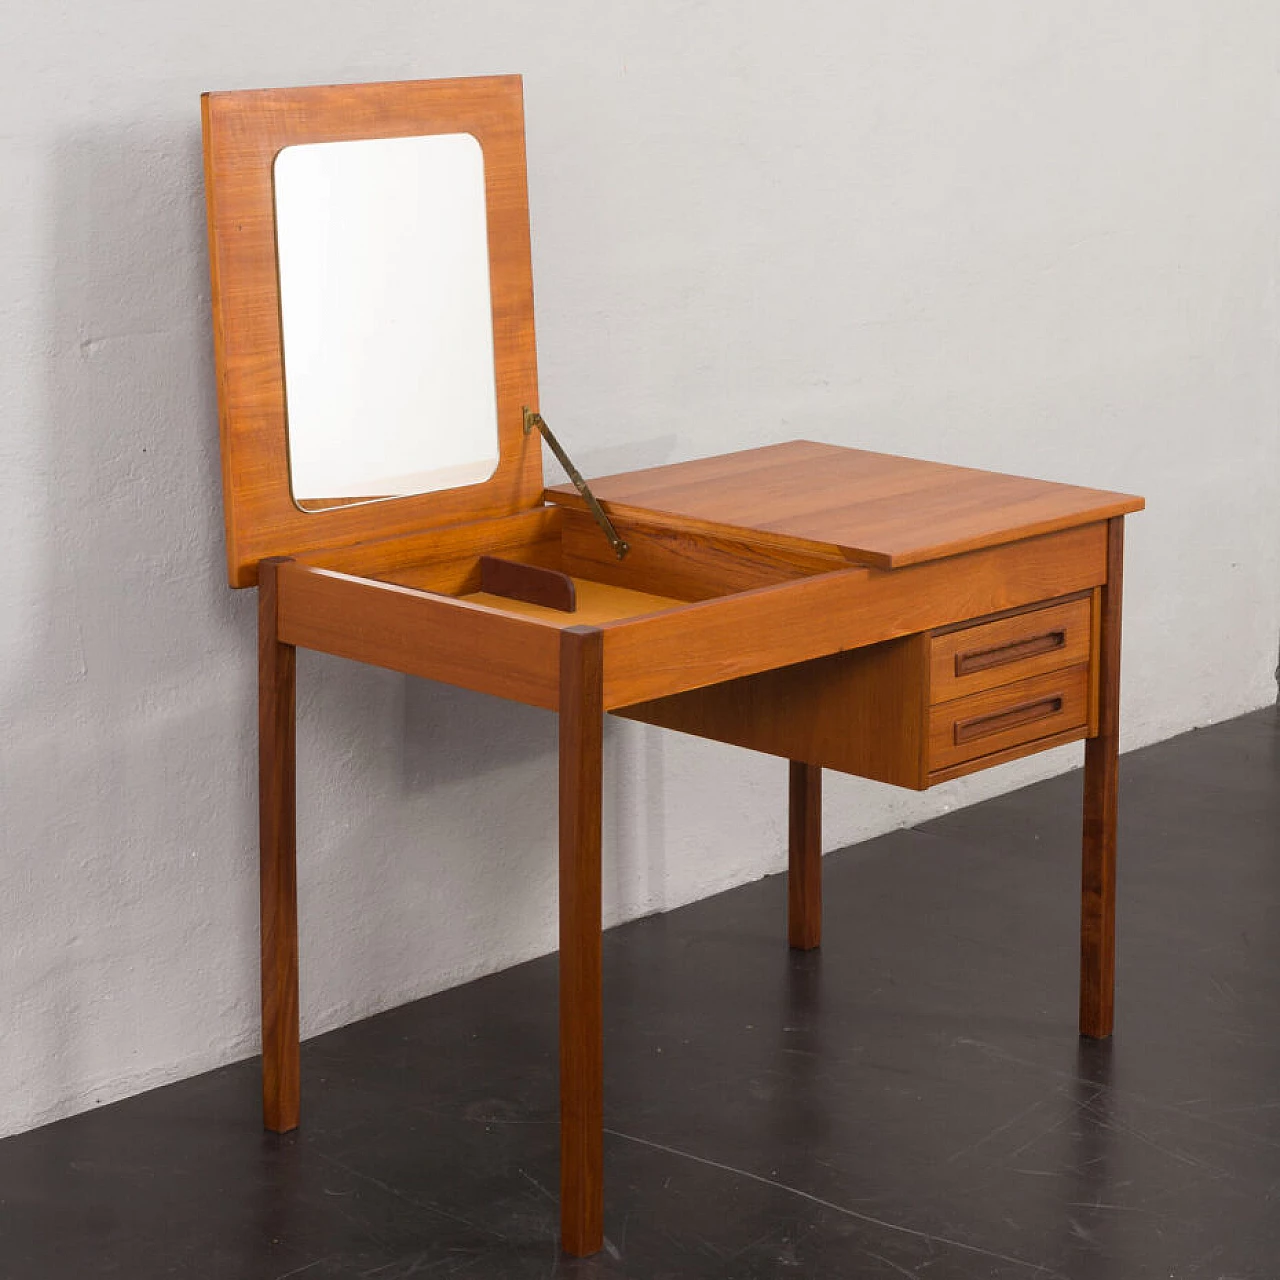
(1041, 238)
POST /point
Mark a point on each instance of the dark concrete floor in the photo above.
(912, 1101)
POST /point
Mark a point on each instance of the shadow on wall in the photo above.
(452, 734)
(129, 697)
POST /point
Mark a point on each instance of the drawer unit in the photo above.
(917, 710)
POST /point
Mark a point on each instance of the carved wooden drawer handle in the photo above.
(981, 659)
(1011, 718)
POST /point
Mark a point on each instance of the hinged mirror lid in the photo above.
(389, 282)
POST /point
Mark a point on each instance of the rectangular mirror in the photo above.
(386, 317)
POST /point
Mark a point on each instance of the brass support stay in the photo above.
(532, 419)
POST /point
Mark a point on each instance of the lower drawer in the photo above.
(983, 723)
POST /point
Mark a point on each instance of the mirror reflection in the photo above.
(385, 316)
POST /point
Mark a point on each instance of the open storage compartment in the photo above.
(664, 569)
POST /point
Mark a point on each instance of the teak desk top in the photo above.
(898, 620)
(872, 508)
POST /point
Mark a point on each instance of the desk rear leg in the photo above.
(581, 1008)
(804, 858)
(1101, 769)
(277, 853)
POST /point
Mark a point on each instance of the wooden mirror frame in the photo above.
(243, 133)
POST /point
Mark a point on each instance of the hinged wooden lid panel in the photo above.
(874, 508)
(243, 133)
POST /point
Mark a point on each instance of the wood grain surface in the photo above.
(718, 640)
(1010, 648)
(596, 604)
(672, 561)
(875, 508)
(1101, 780)
(1051, 703)
(530, 583)
(581, 999)
(403, 555)
(862, 712)
(455, 641)
(277, 860)
(243, 132)
(804, 856)
(1017, 751)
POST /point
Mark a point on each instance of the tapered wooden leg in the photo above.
(1101, 761)
(277, 853)
(804, 861)
(581, 1010)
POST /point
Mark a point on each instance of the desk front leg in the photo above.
(581, 1008)
(1101, 768)
(277, 856)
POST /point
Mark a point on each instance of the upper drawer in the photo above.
(989, 654)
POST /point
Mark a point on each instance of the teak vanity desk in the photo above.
(904, 621)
